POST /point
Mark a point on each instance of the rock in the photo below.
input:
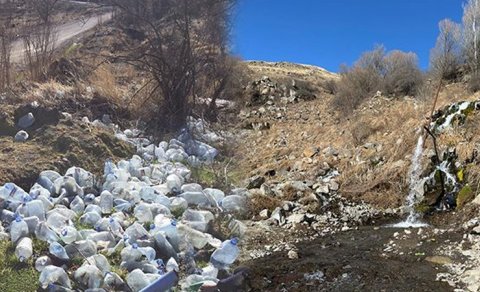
(235, 282)
(322, 189)
(309, 199)
(293, 255)
(264, 214)
(288, 206)
(476, 230)
(472, 279)
(476, 201)
(21, 136)
(255, 182)
(333, 186)
(106, 119)
(439, 260)
(26, 121)
(266, 190)
(310, 152)
(278, 216)
(296, 218)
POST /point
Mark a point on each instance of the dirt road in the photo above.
(65, 32)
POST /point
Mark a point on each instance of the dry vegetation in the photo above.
(374, 143)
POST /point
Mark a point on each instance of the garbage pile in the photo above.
(142, 211)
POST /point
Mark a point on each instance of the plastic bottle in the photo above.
(131, 253)
(174, 183)
(178, 205)
(43, 232)
(216, 194)
(136, 232)
(106, 202)
(196, 238)
(57, 250)
(122, 205)
(69, 234)
(143, 213)
(115, 227)
(42, 262)
(234, 203)
(89, 276)
(198, 220)
(196, 199)
(137, 280)
(148, 252)
(56, 221)
(51, 275)
(113, 282)
(226, 254)
(32, 223)
(83, 178)
(100, 261)
(36, 208)
(81, 248)
(172, 265)
(163, 246)
(171, 233)
(93, 208)
(109, 167)
(90, 218)
(77, 205)
(24, 249)
(18, 229)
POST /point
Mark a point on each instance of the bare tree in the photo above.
(471, 34)
(446, 56)
(7, 35)
(183, 47)
(40, 38)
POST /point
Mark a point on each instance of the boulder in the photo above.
(255, 182)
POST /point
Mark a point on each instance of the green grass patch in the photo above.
(14, 275)
(204, 176)
(465, 195)
(202, 264)
(213, 176)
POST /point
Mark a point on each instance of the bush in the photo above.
(395, 73)
(474, 82)
(360, 81)
(330, 86)
(402, 75)
(355, 85)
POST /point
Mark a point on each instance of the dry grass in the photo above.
(104, 82)
(258, 202)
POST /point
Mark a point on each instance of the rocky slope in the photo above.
(317, 173)
(322, 187)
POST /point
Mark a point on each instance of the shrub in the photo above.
(395, 73)
(360, 81)
(474, 82)
(330, 86)
(355, 85)
(402, 75)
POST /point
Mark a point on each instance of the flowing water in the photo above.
(414, 195)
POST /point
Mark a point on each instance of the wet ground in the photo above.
(367, 259)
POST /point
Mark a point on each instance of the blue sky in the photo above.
(328, 33)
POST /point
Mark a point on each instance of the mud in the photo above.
(355, 260)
